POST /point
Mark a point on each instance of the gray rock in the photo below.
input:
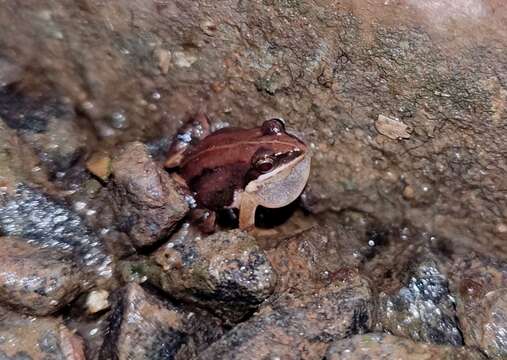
(145, 327)
(299, 326)
(32, 215)
(28, 338)
(149, 203)
(48, 125)
(419, 305)
(384, 346)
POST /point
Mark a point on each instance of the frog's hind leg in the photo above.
(247, 212)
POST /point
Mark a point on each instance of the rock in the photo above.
(145, 327)
(299, 326)
(99, 164)
(48, 125)
(149, 203)
(24, 338)
(384, 346)
(38, 280)
(392, 128)
(97, 301)
(480, 286)
(417, 302)
(18, 163)
(225, 272)
(9, 72)
(31, 215)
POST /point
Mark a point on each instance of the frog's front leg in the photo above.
(247, 209)
(204, 219)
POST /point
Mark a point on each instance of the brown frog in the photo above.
(239, 168)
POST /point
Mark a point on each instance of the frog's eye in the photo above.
(273, 126)
(264, 165)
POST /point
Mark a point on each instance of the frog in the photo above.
(238, 168)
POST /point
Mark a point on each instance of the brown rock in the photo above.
(99, 164)
(383, 346)
(37, 280)
(148, 202)
(299, 326)
(145, 327)
(226, 272)
(480, 286)
(37, 339)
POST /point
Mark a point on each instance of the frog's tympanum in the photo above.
(240, 168)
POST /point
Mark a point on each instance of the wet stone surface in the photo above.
(384, 346)
(480, 287)
(299, 326)
(421, 307)
(141, 326)
(149, 203)
(37, 280)
(226, 272)
(31, 338)
(33, 216)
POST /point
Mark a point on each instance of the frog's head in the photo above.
(280, 167)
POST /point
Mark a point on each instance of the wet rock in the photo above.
(18, 163)
(416, 303)
(48, 125)
(24, 338)
(148, 201)
(97, 301)
(38, 280)
(31, 215)
(384, 346)
(299, 326)
(145, 327)
(9, 72)
(226, 272)
(480, 286)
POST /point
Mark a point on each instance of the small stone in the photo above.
(99, 164)
(183, 59)
(148, 202)
(163, 58)
(392, 128)
(97, 301)
(408, 192)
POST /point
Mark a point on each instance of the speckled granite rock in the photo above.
(29, 338)
(143, 327)
(383, 346)
(226, 272)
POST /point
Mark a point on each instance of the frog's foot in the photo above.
(204, 219)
